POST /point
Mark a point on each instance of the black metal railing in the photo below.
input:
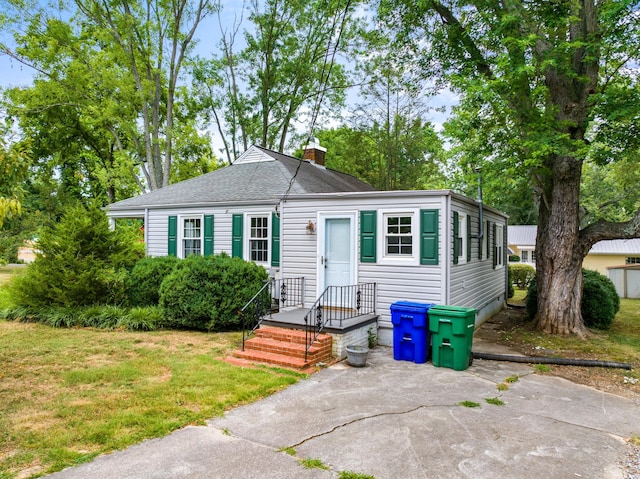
(336, 304)
(274, 295)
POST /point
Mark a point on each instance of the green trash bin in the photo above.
(451, 330)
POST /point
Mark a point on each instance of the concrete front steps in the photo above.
(285, 347)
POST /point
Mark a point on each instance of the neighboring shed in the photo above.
(627, 280)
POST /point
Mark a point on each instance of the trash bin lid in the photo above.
(411, 306)
(456, 311)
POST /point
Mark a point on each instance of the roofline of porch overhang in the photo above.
(210, 204)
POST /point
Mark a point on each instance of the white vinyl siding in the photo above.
(157, 228)
(397, 280)
(476, 284)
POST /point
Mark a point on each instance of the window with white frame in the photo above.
(632, 260)
(398, 234)
(499, 242)
(461, 239)
(259, 238)
(191, 236)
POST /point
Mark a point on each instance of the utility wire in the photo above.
(324, 80)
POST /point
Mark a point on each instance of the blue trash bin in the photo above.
(410, 331)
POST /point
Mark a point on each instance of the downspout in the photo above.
(146, 230)
(447, 256)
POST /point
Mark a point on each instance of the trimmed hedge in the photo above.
(522, 274)
(143, 285)
(207, 292)
(600, 301)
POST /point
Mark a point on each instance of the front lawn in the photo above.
(71, 394)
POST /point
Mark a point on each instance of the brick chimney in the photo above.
(314, 152)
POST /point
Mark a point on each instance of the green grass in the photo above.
(310, 463)
(519, 296)
(8, 272)
(71, 394)
(620, 343)
(469, 404)
(353, 475)
(494, 401)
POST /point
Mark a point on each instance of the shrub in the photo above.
(143, 286)
(600, 301)
(589, 274)
(208, 292)
(82, 262)
(510, 292)
(522, 274)
(514, 258)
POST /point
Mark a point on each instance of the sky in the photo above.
(13, 73)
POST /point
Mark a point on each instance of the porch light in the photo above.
(311, 228)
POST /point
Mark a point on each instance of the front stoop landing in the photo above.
(285, 347)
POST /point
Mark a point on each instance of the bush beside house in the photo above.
(88, 275)
(208, 292)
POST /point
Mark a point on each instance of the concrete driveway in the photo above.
(397, 419)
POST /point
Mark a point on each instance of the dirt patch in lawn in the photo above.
(512, 328)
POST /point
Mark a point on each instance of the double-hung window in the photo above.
(499, 246)
(191, 236)
(398, 237)
(460, 238)
(399, 233)
(259, 238)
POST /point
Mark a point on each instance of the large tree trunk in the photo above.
(558, 251)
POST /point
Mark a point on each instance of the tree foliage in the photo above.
(14, 166)
(288, 69)
(540, 87)
(81, 262)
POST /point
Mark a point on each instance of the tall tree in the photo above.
(546, 74)
(14, 166)
(153, 38)
(290, 66)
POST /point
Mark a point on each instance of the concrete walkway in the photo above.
(397, 419)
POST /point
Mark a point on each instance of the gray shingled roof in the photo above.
(265, 180)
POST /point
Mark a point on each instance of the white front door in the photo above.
(336, 251)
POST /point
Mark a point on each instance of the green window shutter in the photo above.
(468, 238)
(368, 236)
(172, 249)
(236, 235)
(275, 240)
(455, 237)
(494, 249)
(208, 235)
(429, 237)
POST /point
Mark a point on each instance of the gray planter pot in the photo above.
(357, 355)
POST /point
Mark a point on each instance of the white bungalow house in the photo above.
(343, 249)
